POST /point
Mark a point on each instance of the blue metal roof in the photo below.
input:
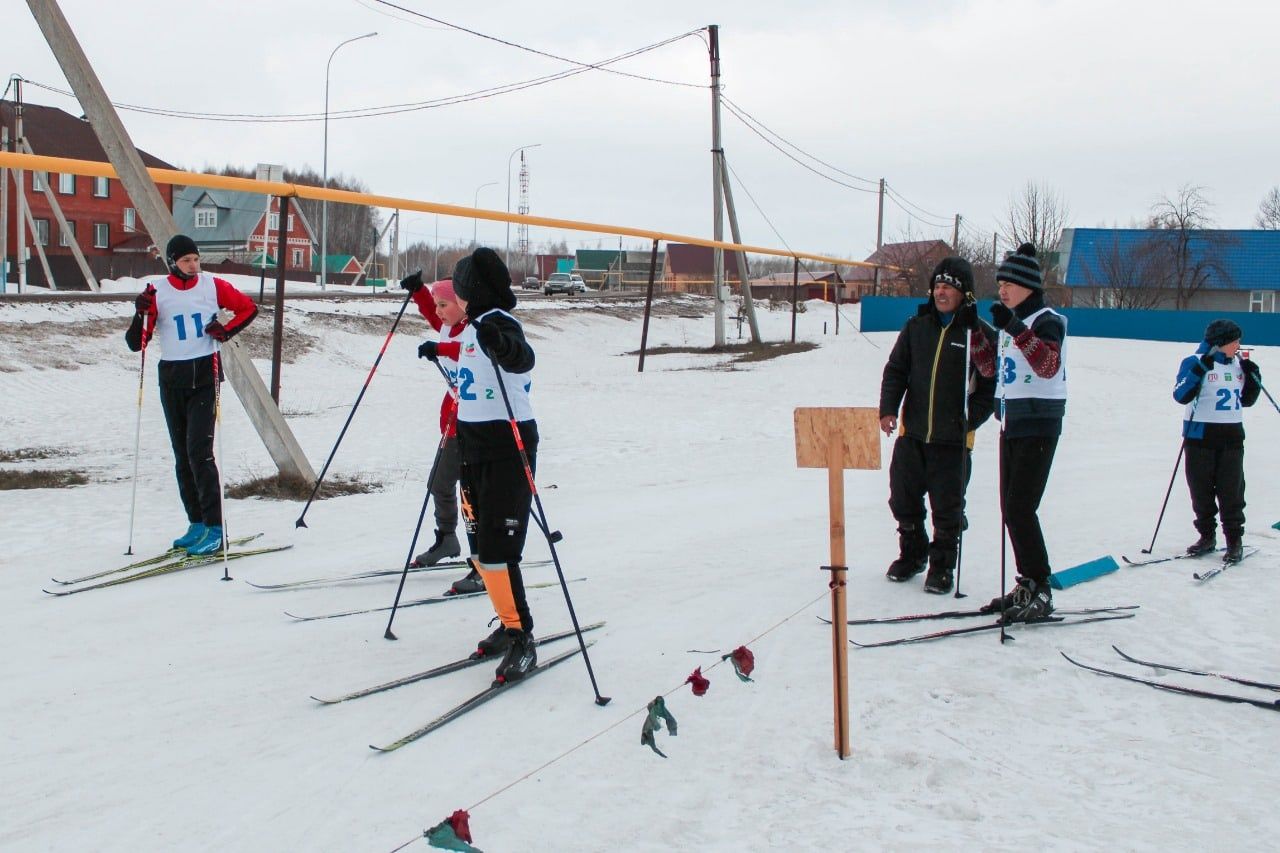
(1250, 258)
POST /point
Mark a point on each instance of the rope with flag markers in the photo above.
(643, 709)
(94, 168)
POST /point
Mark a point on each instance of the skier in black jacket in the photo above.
(946, 400)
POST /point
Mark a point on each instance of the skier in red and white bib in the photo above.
(181, 312)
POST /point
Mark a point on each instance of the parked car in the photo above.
(563, 282)
(531, 283)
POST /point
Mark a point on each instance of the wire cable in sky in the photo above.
(733, 112)
(744, 115)
(536, 52)
(368, 112)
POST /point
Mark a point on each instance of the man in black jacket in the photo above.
(946, 400)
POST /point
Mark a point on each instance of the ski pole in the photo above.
(964, 464)
(222, 483)
(1004, 527)
(301, 522)
(137, 434)
(1269, 397)
(431, 482)
(541, 518)
(1177, 463)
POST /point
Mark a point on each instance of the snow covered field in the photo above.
(173, 713)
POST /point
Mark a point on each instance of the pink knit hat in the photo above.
(443, 289)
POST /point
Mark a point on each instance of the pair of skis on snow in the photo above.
(1273, 705)
(377, 573)
(172, 560)
(466, 705)
(1200, 576)
(1059, 618)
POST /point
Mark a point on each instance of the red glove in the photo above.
(217, 331)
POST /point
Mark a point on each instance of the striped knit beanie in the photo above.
(1021, 268)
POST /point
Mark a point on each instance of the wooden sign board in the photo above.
(857, 431)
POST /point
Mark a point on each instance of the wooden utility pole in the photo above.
(158, 220)
(73, 240)
(717, 193)
(955, 235)
(837, 439)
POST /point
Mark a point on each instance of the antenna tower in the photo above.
(522, 232)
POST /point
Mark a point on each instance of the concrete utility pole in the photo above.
(4, 213)
(744, 280)
(395, 250)
(955, 235)
(35, 241)
(73, 240)
(875, 282)
(995, 235)
(19, 179)
(717, 227)
(263, 412)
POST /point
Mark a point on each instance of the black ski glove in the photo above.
(429, 350)
(1250, 368)
(413, 282)
(146, 301)
(217, 331)
(1207, 359)
(967, 316)
(1003, 318)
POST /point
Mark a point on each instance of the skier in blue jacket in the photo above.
(1214, 385)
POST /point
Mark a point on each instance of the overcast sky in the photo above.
(956, 104)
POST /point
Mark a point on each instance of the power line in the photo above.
(793, 146)
(536, 52)
(733, 112)
(369, 112)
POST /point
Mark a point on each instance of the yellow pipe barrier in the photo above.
(93, 168)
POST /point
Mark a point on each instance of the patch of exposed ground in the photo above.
(282, 487)
(740, 353)
(57, 478)
(24, 453)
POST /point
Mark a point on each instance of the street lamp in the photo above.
(507, 255)
(476, 203)
(324, 203)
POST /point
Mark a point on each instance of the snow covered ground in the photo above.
(173, 713)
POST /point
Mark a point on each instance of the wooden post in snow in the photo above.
(836, 439)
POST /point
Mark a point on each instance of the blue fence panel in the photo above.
(888, 313)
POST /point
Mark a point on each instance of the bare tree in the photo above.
(1037, 214)
(1190, 256)
(978, 254)
(1269, 211)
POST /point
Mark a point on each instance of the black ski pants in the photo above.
(444, 489)
(190, 414)
(497, 491)
(1215, 476)
(939, 470)
(1024, 473)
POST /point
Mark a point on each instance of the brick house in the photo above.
(228, 226)
(916, 260)
(98, 211)
(691, 269)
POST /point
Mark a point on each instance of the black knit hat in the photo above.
(1021, 268)
(482, 279)
(1219, 333)
(956, 272)
(180, 245)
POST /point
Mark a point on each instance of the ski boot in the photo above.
(942, 564)
(195, 532)
(446, 545)
(492, 645)
(913, 553)
(522, 657)
(1029, 601)
(467, 585)
(1235, 549)
(209, 543)
(1206, 544)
